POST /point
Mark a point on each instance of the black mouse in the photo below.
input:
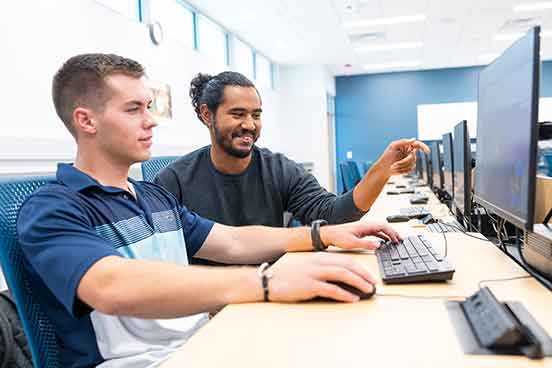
(361, 294)
(397, 218)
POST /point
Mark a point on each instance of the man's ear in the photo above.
(84, 121)
(206, 115)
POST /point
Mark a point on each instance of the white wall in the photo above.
(40, 34)
(304, 122)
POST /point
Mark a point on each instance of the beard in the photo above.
(226, 143)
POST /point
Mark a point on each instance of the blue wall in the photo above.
(373, 110)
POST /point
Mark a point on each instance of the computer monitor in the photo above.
(461, 156)
(419, 167)
(507, 132)
(425, 166)
(448, 165)
(436, 165)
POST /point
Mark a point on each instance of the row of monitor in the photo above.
(507, 135)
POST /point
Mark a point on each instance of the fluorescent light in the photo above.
(391, 46)
(398, 64)
(534, 6)
(385, 21)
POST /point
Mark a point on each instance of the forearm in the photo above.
(254, 244)
(140, 288)
(371, 185)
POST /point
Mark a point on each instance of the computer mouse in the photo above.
(361, 294)
(419, 200)
(397, 218)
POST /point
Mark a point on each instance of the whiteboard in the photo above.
(434, 120)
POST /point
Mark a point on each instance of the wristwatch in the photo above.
(317, 243)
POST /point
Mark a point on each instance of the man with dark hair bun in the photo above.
(108, 256)
(234, 182)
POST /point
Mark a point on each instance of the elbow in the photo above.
(112, 302)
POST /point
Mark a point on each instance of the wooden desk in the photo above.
(384, 331)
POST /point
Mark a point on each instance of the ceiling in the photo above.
(454, 33)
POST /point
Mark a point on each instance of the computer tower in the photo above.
(537, 250)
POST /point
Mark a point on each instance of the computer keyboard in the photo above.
(414, 212)
(439, 227)
(412, 260)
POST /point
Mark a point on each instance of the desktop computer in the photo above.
(461, 156)
(448, 167)
(425, 169)
(507, 135)
(436, 167)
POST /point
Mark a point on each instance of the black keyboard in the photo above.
(412, 260)
(442, 228)
(414, 212)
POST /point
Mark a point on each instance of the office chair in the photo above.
(39, 331)
(151, 167)
(355, 172)
(347, 178)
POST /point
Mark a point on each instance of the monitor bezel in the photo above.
(436, 154)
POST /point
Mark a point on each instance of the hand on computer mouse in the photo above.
(351, 289)
(308, 276)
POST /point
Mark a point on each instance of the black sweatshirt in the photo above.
(270, 185)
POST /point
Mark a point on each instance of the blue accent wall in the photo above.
(373, 110)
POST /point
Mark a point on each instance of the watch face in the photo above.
(156, 32)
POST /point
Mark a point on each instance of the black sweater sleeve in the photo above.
(308, 201)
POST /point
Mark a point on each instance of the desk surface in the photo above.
(391, 330)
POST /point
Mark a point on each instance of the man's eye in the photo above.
(134, 109)
(256, 116)
(237, 115)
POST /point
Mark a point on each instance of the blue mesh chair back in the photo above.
(355, 173)
(347, 179)
(151, 167)
(39, 331)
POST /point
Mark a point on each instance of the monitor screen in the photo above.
(461, 156)
(436, 165)
(448, 164)
(507, 132)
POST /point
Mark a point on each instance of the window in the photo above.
(128, 8)
(264, 71)
(243, 59)
(176, 19)
(212, 41)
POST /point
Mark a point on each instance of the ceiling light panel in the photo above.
(390, 46)
(393, 65)
(416, 18)
(547, 5)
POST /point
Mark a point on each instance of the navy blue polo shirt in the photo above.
(65, 227)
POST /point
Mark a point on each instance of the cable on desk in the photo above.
(504, 279)
(443, 297)
(466, 233)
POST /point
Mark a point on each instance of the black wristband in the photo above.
(264, 273)
(317, 243)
